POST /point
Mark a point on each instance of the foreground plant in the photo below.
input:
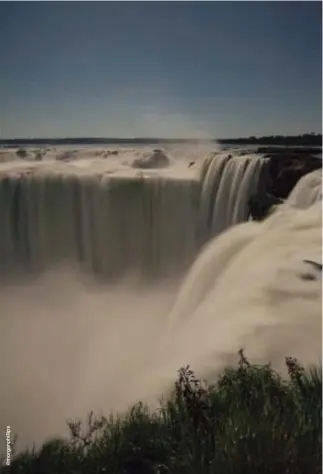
(250, 421)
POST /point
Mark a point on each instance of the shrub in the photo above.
(250, 421)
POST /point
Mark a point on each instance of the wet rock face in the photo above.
(158, 159)
(287, 167)
(314, 271)
(274, 150)
(260, 206)
(21, 153)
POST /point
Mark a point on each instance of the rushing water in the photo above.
(227, 183)
(111, 219)
(69, 344)
(307, 191)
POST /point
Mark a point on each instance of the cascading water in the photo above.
(307, 191)
(248, 288)
(68, 345)
(108, 224)
(111, 223)
(228, 182)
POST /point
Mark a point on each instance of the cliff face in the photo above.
(286, 167)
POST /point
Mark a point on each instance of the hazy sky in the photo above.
(129, 69)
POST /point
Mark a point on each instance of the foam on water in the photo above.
(307, 191)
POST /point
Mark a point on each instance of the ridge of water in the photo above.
(109, 218)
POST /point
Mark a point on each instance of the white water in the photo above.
(109, 225)
(92, 208)
(307, 191)
(69, 345)
(228, 182)
(99, 212)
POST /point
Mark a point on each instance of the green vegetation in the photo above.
(307, 139)
(250, 421)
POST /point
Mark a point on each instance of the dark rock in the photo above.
(67, 155)
(312, 276)
(308, 277)
(260, 205)
(286, 167)
(316, 265)
(21, 152)
(158, 159)
(274, 150)
(38, 156)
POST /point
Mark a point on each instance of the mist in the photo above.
(70, 345)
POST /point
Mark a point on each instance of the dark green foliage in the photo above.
(251, 421)
(306, 139)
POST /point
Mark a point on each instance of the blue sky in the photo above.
(129, 69)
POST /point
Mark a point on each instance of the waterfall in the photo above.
(227, 183)
(249, 281)
(107, 224)
(110, 219)
(307, 191)
(78, 346)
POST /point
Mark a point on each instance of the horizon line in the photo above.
(195, 139)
